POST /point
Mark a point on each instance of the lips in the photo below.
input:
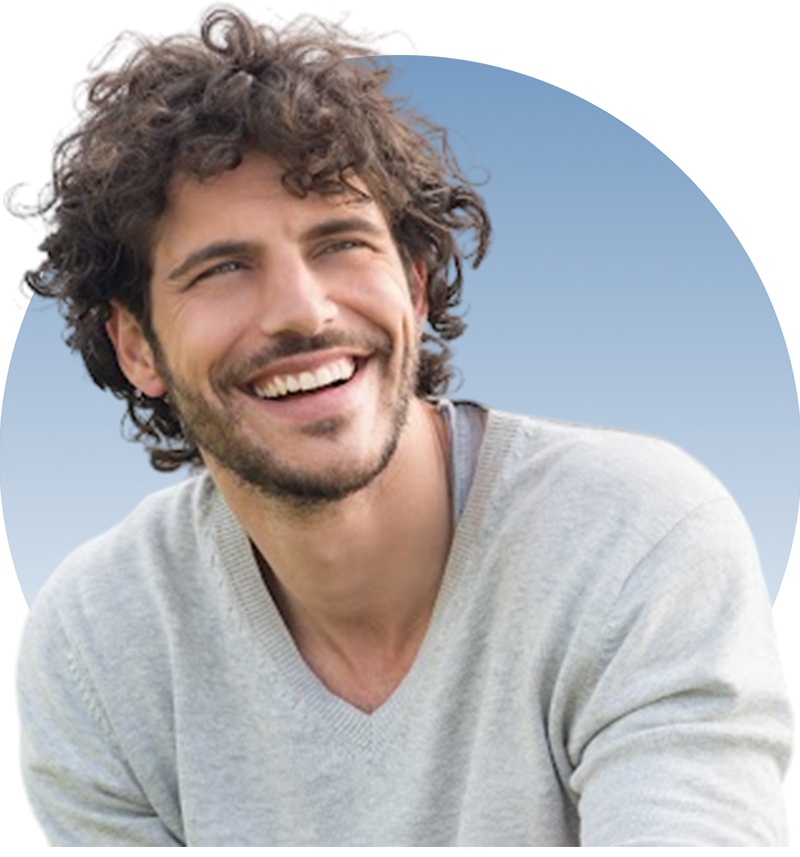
(326, 403)
(326, 375)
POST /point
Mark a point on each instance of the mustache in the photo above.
(297, 347)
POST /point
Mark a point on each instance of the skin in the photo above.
(343, 491)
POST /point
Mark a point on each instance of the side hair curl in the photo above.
(308, 95)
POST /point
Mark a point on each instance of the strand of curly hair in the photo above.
(308, 95)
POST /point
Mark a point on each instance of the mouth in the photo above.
(313, 402)
(333, 374)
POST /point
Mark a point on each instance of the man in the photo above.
(377, 616)
(330, 484)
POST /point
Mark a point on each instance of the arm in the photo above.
(680, 727)
(81, 786)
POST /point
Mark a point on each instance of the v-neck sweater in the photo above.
(600, 668)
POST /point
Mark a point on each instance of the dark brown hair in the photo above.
(308, 95)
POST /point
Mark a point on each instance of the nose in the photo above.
(296, 300)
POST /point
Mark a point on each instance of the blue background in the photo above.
(614, 294)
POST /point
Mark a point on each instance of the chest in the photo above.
(365, 684)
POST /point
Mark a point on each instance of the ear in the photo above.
(419, 291)
(134, 354)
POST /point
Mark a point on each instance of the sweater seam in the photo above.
(85, 685)
(610, 626)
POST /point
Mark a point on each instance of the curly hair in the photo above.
(308, 95)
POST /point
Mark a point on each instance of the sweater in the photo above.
(599, 669)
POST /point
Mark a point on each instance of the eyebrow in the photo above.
(227, 248)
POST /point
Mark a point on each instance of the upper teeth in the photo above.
(281, 385)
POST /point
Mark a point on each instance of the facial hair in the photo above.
(214, 429)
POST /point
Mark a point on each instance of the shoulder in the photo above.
(578, 515)
(608, 492)
(122, 579)
(592, 470)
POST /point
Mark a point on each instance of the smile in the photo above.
(340, 392)
(335, 372)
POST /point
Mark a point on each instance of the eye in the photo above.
(229, 266)
(343, 245)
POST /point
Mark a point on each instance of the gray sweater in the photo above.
(600, 668)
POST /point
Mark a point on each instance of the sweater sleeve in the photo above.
(82, 789)
(678, 722)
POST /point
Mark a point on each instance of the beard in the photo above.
(216, 429)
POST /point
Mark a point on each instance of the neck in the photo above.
(359, 576)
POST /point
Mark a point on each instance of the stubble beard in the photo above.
(214, 430)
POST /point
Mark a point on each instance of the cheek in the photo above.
(198, 334)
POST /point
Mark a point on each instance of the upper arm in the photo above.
(82, 788)
(680, 728)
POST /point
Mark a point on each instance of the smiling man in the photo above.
(285, 331)
(373, 615)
